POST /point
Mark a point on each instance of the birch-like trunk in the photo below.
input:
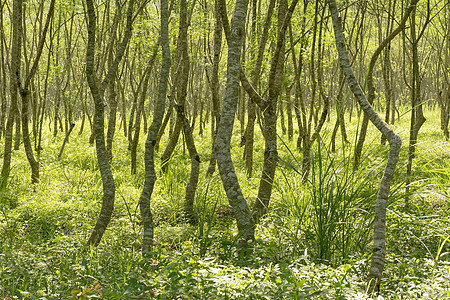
(379, 248)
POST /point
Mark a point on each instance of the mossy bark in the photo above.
(150, 174)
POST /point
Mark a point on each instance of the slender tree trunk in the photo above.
(182, 81)
(3, 76)
(140, 109)
(310, 136)
(444, 94)
(24, 91)
(370, 84)
(18, 129)
(150, 174)
(191, 186)
(340, 113)
(112, 97)
(270, 113)
(66, 139)
(215, 89)
(290, 127)
(161, 130)
(173, 140)
(227, 172)
(379, 248)
(417, 117)
(13, 85)
(109, 187)
(281, 107)
(251, 116)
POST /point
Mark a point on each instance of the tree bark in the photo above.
(370, 84)
(379, 248)
(16, 50)
(150, 174)
(215, 88)
(251, 116)
(109, 187)
(140, 109)
(24, 91)
(227, 171)
(270, 113)
(417, 117)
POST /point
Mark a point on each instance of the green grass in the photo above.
(315, 242)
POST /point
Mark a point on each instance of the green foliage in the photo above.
(314, 243)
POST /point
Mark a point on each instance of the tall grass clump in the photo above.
(330, 216)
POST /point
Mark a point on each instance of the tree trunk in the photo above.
(16, 50)
(251, 116)
(140, 109)
(270, 113)
(417, 117)
(112, 99)
(379, 248)
(109, 187)
(24, 91)
(227, 172)
(3, 79)
(173, 140)
(150, 174)
(215, 88)
(290, 129)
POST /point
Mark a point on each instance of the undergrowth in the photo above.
(315, 242)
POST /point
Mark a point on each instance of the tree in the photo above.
(379, 248)
(215, 89)
(150, 174)
(97, 92)
(417, 117)
(24, 91)
(16, 50)
(256, 76)
(222, 145)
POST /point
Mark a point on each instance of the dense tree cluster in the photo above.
(175, 67)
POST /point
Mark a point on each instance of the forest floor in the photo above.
(315, 243)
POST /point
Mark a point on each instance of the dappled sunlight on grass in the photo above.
(315, 241)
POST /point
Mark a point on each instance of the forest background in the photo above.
(224, 149)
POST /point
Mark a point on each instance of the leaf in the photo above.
(97, 289)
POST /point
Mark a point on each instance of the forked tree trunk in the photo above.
(139, 111)
(379, 247)
(251, 116)
(269, 110)
(24, 91)
(370, 84)
(173, 140)
(183, 78)
(417, 117)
